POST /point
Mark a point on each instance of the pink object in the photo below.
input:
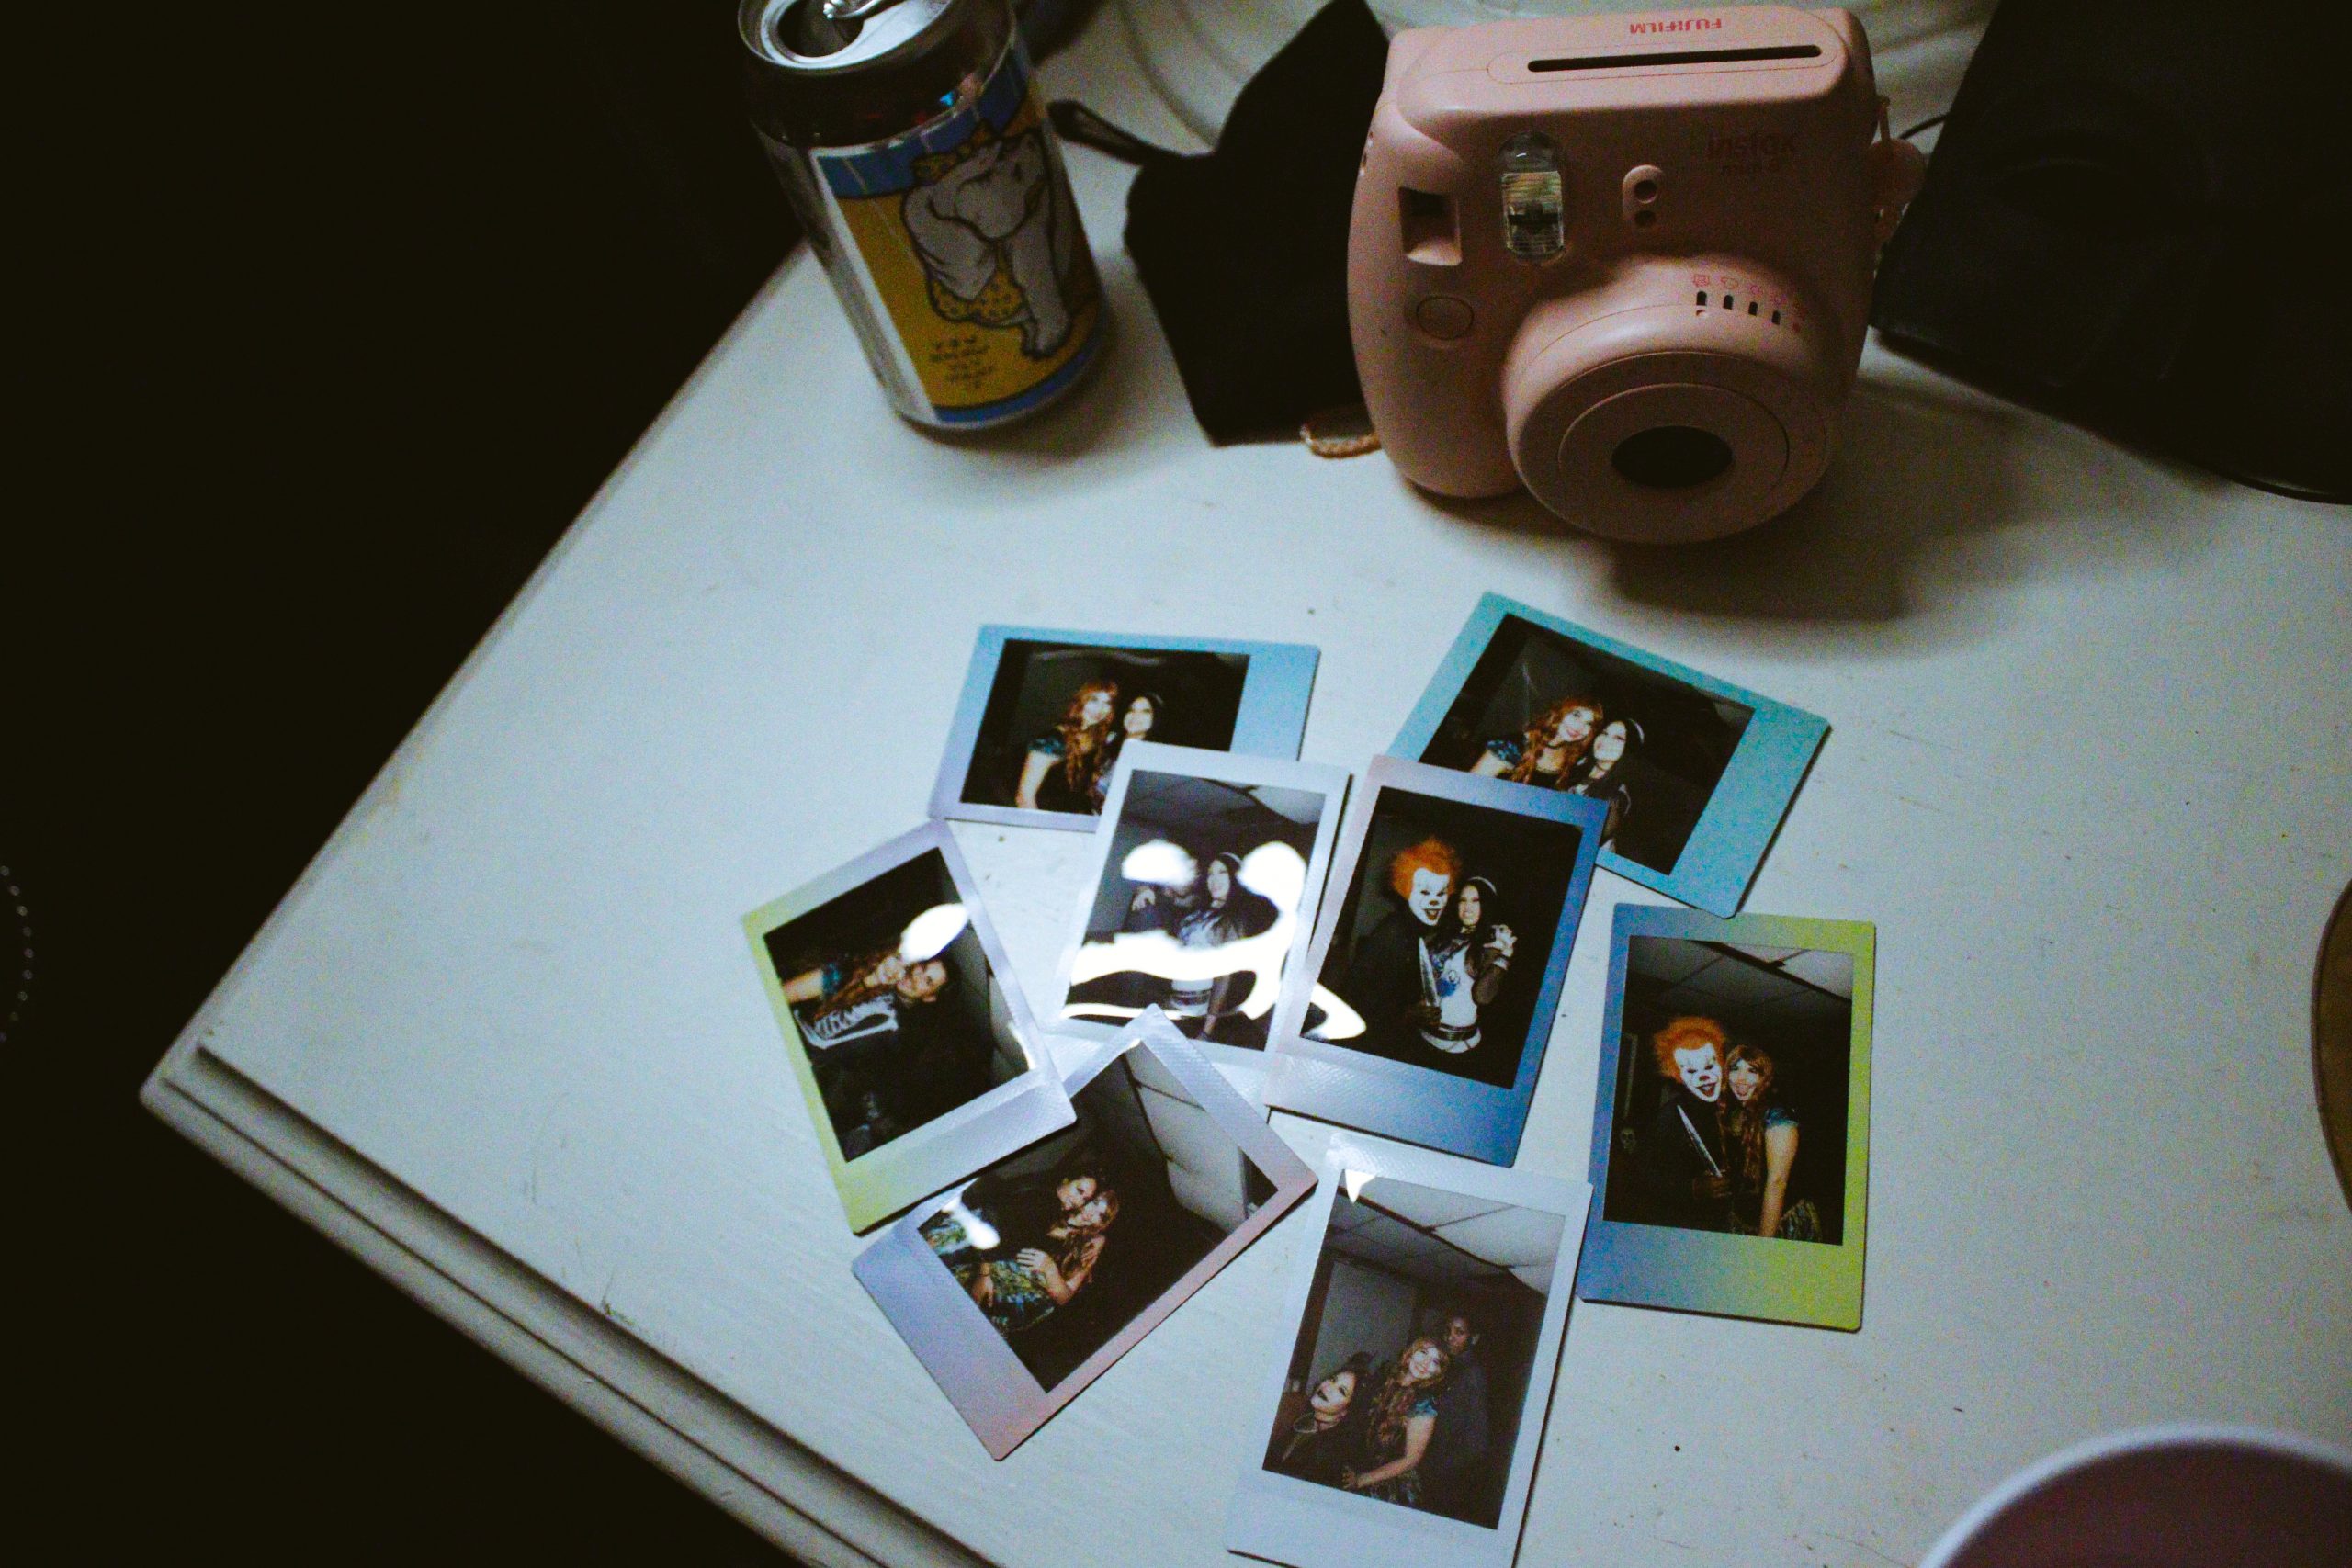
(1623, 260)
(2182, 1496)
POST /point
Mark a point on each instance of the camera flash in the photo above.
(1532, 223)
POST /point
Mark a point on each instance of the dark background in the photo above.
(1687, 737)
(1200, 693)
(335, 316)
(1529, 859)
(1810, 1076)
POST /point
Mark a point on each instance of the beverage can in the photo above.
(913, 143)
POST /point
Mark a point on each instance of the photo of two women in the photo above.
(1410, 1375)
(1059, 714)
(1543, 709)
(1733, 1089)
(1060, 1245)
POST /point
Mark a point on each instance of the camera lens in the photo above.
(1671, 456)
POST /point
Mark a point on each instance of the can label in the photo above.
(972, 250)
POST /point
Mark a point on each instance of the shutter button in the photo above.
(1443, 316)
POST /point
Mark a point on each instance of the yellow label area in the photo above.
(982, 264)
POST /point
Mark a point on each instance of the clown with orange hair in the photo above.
(1386, 976)
(1685, 1160)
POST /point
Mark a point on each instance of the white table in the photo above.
(2090, 776)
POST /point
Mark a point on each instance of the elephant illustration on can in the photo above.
(996, 230)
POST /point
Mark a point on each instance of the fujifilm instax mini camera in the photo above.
(1623, 260)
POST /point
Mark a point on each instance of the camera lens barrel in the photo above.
(1637, 414)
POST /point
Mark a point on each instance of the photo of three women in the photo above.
(1410, 1372)
(1732, 1119)
(1414, 1430)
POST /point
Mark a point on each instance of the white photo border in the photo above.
(984, 1129)
(1270, 722)
(1219, 767)
(1742, 812)
(970, 1360)
(1283, 1519)
(1334, 1082)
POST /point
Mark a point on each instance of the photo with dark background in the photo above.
(1398, 1259)
(945, 1052)
(1200, 693)
(1795, 1003)
(1531, 860)
(1269, 830)
(1688, 736)
(1182, 1184)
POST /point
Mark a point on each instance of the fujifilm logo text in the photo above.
(1687, 24)
(1752, 144)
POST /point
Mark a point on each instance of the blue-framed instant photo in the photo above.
(1731, 1129)
(1696, 773)
(1045, 715)
(906, 1030)
(1024, 1285)
(1428, 996)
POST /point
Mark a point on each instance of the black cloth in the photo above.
(1458, 1452)
(1321, 1457)
(1384, 984)
(1670, 1162)
(1244, 250)
(2122, 221)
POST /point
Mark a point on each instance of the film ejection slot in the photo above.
(1534, 226)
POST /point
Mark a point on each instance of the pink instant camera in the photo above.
(1623, 260)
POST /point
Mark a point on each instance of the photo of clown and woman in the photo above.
(1058, 714)
(1438, 953)
(1409, 1376)
(1060, 1247)
(894, 1003)
(1206, 883)
(1541, 708)
(1731, 1092)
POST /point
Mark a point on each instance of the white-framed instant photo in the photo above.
(1208, 874)
(913, 1043)
(1695, 772)
(1045, 715)
(1024, 1284)
(1406, 1415)
(1731, 1130)
(1428, 994)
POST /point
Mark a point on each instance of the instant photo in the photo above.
(1412, 1397)
(1730, 1133)
(1022, 1286)
(1429, 993)
(1695, 773)
(1211, 870)
(1045, 715)
(910, 1041)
